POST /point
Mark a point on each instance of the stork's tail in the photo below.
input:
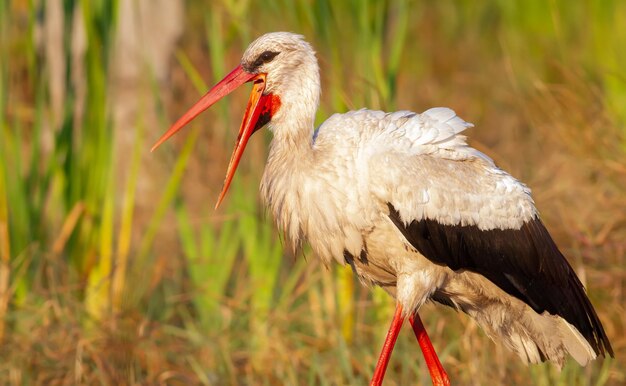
(532, 336)
(538, 338)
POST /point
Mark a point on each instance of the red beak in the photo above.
(258, 112)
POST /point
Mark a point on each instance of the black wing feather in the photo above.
(525, 263)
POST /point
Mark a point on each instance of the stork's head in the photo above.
(285, 58)
(284, 72)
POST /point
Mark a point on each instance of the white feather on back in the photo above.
(422, 165)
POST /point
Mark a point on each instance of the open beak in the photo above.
(258, 113)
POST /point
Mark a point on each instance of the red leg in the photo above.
(437, 373)
(390, 341)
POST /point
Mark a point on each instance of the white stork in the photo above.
(412, 208)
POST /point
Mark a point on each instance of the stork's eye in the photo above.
(265, 57)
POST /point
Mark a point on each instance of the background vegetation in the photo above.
(114, 268)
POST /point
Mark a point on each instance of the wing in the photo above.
(424, 167)
(455, 207)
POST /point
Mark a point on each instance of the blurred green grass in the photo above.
(105, 281)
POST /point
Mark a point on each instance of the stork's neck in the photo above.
(293, 124)
(291, 154)
(293, 134)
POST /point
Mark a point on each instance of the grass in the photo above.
(115, 269)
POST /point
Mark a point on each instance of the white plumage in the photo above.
(404, 200)
(362, 160)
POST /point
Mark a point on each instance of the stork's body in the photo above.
(411, 207)
(356, 189)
